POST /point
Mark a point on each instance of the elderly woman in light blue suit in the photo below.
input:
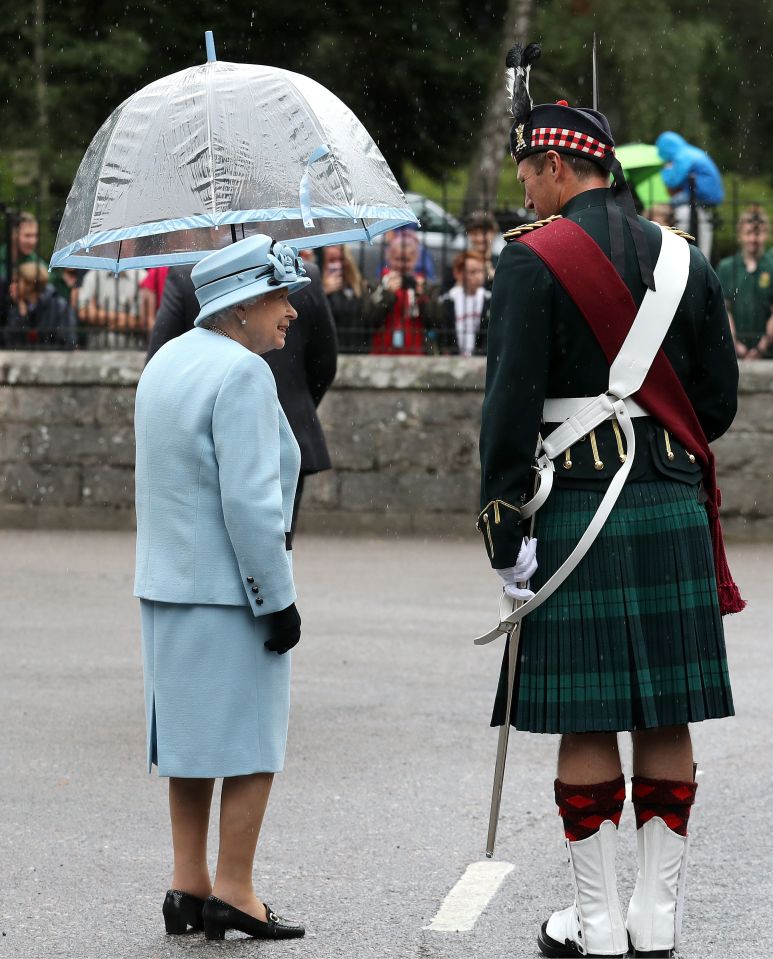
(217, 466)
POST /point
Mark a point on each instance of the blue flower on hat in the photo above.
(286, 262)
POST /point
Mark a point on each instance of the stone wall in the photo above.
(67, 439)
(402, 434)
(745, 457)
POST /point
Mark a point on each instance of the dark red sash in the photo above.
(589, 278)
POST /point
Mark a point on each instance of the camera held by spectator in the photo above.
(403, 310)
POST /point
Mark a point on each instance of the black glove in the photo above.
(284, 629)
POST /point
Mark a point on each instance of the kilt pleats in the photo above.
(633, 639)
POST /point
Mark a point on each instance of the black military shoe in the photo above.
(566, 950)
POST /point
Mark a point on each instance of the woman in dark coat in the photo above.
(346, 291)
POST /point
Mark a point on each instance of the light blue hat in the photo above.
(243, 271)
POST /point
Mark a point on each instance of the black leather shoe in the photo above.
(652, 954)
(549, 946)
(182, 910)
(219, 916)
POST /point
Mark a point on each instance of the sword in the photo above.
(513, 635)
(595, 74)
(506, 606)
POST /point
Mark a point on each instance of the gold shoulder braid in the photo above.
(527, 228)
(686, 236)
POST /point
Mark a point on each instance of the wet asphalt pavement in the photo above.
(384, 800)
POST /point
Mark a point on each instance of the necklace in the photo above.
(216, 329)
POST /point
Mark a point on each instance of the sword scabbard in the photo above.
(513, 636)
(504, 737)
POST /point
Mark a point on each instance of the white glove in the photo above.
(525, 567)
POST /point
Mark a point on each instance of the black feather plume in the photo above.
(513, 58)
(518, 63)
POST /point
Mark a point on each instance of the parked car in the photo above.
(441, 230)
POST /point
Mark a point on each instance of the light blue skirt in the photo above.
(217, 703)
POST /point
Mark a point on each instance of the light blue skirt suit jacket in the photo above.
(216, 471)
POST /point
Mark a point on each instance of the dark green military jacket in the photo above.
(541, 346)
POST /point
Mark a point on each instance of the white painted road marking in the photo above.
(463, 905)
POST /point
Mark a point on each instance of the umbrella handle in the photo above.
(304, 191)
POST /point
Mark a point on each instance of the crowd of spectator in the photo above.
(406, 303)
(414, 306)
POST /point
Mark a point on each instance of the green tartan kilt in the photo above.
(633, 639)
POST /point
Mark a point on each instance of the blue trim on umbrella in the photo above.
(69, 257)
(110, 263)
(209, 220)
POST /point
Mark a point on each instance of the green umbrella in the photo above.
(642, 165)
(639, 158)
(652, 189)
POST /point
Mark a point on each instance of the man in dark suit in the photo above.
(304, 369)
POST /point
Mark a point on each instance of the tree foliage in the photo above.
(649, 64)
(418, 75)
(702, 68)
(414, 75)
(737, 85)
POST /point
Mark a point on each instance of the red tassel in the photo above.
(730, 600)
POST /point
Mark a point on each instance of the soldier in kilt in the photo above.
(633, 640)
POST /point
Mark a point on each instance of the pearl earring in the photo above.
(244, 321)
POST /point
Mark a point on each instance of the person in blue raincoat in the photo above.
(690, 172)
(216, 471)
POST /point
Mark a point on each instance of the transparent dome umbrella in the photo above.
(218, 152)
